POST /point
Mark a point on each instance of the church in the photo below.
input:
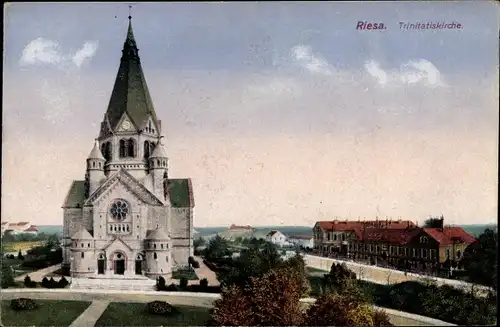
(128, 219)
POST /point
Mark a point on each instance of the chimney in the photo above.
(441, 223)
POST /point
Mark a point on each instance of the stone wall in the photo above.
(385, 276)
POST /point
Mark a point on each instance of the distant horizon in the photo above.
(279, 112)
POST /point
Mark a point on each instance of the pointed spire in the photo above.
(96, 153)
(130, 41)
(159, 151)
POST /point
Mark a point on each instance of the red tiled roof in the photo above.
(449, 235)
(390, 235)
(346, 225)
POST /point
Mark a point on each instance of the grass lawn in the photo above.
(315, 270)
(20, 246)
(189, 274)
(134, 314)
(16, 264)
(49, 313)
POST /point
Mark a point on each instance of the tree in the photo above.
(339, 310)
(480, 259)
(217, 249)
(269, 300)
(7, 276)
(337, 278)
(20, 255)
(252, 262)
(433, 223)
(198, 242)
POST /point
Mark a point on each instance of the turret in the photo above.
(158, 168)
(95, 169)
(158, 250)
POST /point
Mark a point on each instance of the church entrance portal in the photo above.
(100, 266)
(119, 264)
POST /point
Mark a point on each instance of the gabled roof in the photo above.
(31, 229)
(449, 235)
(130, 92)
(390, 235)
(180, 192)
(76, 195)
(117, 239)
(130, 182)
(350, 225)
(271, 233)
(158, 234)
(82, 234)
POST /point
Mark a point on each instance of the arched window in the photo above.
(131, 148)
(155, 256)
(149, 126)
(83, 254)
(147, 147)
(158, 162)
(154, 245)
(123, 148)
(93, 164)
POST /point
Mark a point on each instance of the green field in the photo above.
(134, 314)
(49, 313)
(188, 274)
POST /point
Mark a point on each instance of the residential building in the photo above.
(278, 238)
(411, 248)
(23, 227)
(332, 237)
(302, 241)
(128, 219)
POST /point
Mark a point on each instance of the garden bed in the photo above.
(135, 314)
(189, 274)
(48, 313)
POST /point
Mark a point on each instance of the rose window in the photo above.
(119, 210)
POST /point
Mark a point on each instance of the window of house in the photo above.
(414, 253)
(424, 254)
(155, 256)
(161, 245)
(448, 253)
(82, 245)
(334, 237)
(154, 246)
(371, 248)
(378, 249)
(88, 245)
(458, 254)
(433, 254)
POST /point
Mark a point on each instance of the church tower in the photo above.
(95, 170)
(130, 127)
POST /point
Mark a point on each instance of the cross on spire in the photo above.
(129, 12)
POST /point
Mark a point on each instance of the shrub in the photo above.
(204, 283)
(27, 281)
(160, 308)
(195, 264)
(380, 318)
(22, 304)
(63, 282)
(20, 255)
(161, 284)
(45, 282)
(172, 288)
(183, 283)
(7, 277)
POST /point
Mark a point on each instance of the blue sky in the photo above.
(284, 108)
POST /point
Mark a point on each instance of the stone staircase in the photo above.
(124, 284)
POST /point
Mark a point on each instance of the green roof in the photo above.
(181, 193)
(130, 92)
(76, 195)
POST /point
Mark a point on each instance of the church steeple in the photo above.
(130, 96)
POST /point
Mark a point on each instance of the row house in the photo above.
(332, 238)
(406, 248)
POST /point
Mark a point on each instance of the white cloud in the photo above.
(48, 52)
(410, 73)
(304, 56)
(87, 51)
(41, 51)
(373, 68)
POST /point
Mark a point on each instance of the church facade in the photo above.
(128, 218)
